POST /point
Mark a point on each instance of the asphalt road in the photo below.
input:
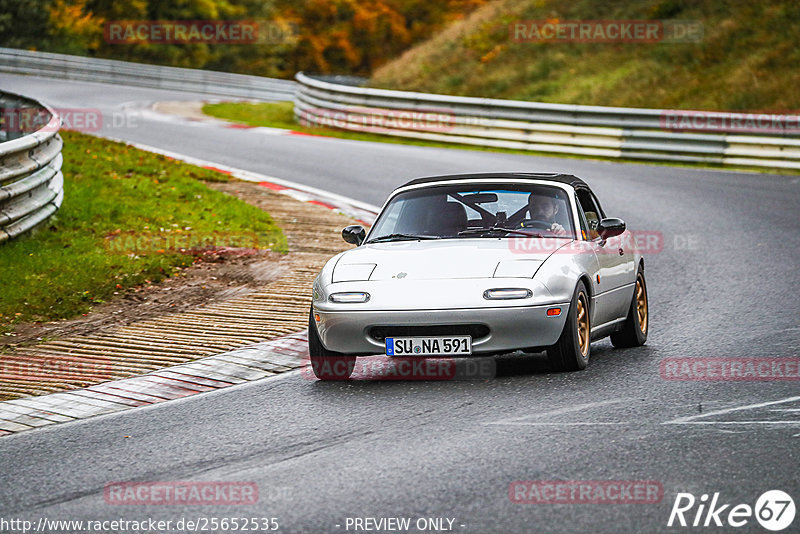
(723, 286)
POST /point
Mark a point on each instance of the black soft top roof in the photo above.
(568, 179)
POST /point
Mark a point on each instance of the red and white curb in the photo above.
(136, 110)
(248, 363)
(356, 209)
(361, 211)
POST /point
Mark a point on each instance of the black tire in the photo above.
(634, 330)
(327, 364)
(571, 351)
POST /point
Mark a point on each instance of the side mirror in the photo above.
(610, 227)
(355, 234)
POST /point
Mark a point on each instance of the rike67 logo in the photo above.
(774, 510)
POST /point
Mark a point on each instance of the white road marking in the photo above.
(690, 419)
(340, 201)
(736, 423)
(560, 411)
(536, 423)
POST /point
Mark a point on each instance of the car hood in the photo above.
(440, 259)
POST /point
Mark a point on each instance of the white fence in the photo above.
(224, 84)
(628, 133)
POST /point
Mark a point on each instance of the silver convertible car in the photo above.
(480, 264)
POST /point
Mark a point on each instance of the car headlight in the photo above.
(507, 293)
(352, 297)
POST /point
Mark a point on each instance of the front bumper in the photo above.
(509, 328)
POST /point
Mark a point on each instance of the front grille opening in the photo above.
(476, 331)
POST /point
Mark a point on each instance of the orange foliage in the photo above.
(332, 36)
(74, 24)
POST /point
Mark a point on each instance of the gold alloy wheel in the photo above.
(641, 303)
(582, 319)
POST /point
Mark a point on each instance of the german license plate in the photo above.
(428, 346)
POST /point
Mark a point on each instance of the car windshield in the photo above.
(476, 210)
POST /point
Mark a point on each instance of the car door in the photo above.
(615, 277)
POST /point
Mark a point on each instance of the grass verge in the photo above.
(129, 217)
(281, 115)
(744, 56)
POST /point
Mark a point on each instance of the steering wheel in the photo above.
(537, 223)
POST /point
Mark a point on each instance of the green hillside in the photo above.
(748, 57)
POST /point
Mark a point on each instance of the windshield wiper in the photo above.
(401, 237)
(493, 229)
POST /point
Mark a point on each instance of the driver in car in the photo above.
(544, 208)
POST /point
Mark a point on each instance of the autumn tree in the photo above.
(24, 23)
(324, 36)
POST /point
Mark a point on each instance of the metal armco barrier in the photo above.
(628, 133)
(142, 75)
(31, 183)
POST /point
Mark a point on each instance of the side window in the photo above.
(582, 221)
(591, 211)
(600, 211)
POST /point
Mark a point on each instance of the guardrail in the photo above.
(31, 183)
(142, 75)
(628, 133)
